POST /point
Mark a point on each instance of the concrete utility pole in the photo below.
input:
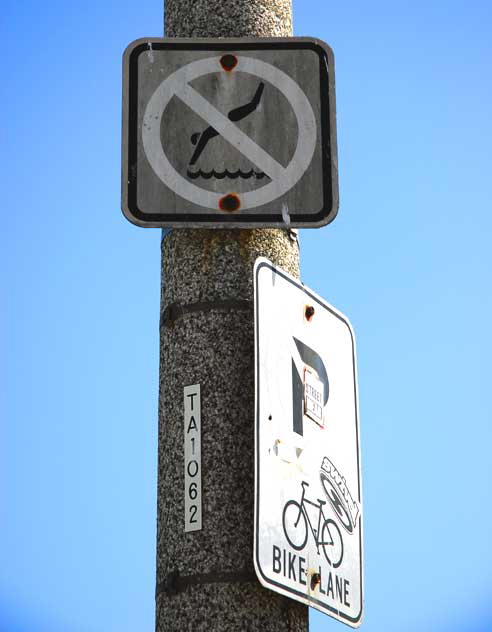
(205, 578)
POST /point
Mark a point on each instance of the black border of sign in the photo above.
(264, 579)
(130, 135)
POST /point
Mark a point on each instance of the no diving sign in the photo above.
(229, 132)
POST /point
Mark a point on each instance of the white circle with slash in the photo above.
(282, 179)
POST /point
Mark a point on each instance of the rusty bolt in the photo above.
(315, 580)
(228, 62)
(229, 202)
(309, 313)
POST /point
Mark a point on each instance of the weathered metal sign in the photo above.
(235, 132)
(308, 503)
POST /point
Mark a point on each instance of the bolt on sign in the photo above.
(229, 132)
(308, 503)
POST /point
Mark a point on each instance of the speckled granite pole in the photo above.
(215, 348)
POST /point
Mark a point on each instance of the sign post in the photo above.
(206, 577)
(308, 504)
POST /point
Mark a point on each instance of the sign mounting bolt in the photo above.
(228, 62)
(309, 312)
(315, 580)
(229, 202)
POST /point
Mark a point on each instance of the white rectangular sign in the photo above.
(308, 500)
(192, 458)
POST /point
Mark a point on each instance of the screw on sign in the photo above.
(229, 132)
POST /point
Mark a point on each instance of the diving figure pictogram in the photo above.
(201, 139)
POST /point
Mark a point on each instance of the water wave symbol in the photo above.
(220, 175)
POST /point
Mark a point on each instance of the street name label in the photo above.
(308, 503)
(236, 132)
(192, 458)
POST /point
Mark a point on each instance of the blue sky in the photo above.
(407, 259)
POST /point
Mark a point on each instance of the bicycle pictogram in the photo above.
(295, 521)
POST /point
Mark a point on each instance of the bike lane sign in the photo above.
(308, 498)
